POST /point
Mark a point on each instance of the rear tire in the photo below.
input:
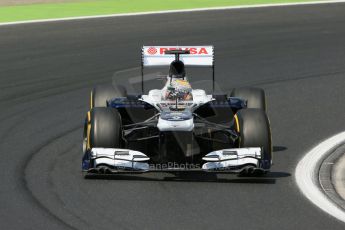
(101, 93)
(255, 97)
(254, 129)
(106, 130)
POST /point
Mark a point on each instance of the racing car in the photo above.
(176, 127)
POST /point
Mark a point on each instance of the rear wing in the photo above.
(198, 55)
(154, 56)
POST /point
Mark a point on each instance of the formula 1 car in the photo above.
(177, 128)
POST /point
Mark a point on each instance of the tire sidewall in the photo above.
(106, 130)
(255, 132)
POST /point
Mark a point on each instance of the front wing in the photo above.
(112, 161)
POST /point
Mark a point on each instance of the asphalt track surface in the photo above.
(297, 54)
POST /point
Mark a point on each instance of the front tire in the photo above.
(106, 130)
(254, 130)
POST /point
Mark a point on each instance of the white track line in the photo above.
(306, 176)
(173, 11)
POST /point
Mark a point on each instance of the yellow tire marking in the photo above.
(237, 123)
(91, 104)
(88, 146)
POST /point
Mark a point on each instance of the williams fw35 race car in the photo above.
(176, 128)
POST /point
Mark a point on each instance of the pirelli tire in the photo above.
(101, 93)
(254, 130)
(105, 128)
(255, 97)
